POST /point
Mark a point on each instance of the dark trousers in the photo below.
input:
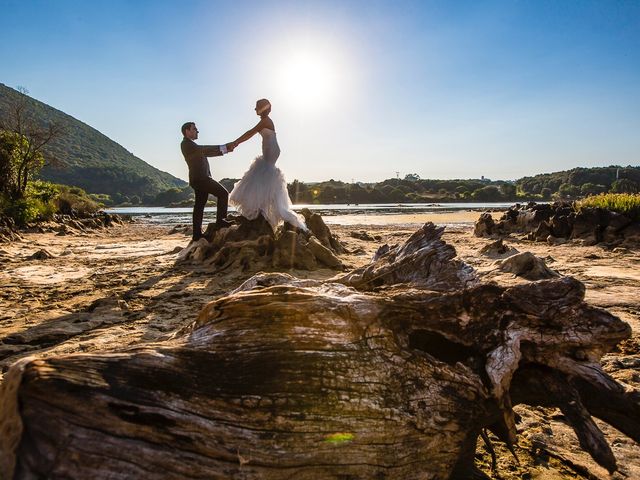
(203, 188)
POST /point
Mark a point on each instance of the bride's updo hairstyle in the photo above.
(263, 106)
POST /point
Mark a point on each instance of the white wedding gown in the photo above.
(263, 189)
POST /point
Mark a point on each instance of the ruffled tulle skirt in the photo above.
(263, 191)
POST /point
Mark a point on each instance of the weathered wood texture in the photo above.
(301, 379)
(251, 245)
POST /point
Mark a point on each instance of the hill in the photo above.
(90, 160)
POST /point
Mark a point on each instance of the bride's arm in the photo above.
(250, 133)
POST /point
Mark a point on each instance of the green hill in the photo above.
(89, 159)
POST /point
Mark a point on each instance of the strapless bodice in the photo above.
(270, 147)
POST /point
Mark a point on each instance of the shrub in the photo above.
(627, 204)
(69, 203)
(25, 210)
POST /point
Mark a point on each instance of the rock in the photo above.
(497, 249)
(362, 235)
(41, 254)
(541, 233)
(617, 221)
(551, 240)
(560, 225)
(611, 236)
(527, 265)
(631, 235)
(588, 224)
(560, 220)
(182, 229)
(484, 226)
(622, 251)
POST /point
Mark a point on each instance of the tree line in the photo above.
(571, 184)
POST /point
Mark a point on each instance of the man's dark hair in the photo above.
(186, 127)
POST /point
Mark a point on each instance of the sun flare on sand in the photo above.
(309, 77)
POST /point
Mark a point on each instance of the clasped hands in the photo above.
(230, 146)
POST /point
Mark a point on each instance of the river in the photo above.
(340, 214)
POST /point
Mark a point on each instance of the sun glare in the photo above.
(308, 78)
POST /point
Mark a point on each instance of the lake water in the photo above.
(340, 214)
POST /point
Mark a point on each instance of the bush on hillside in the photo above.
(72, 200)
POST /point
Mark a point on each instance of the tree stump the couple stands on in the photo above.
(252, 245)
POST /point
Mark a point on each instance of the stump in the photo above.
(386, 372)
(252, 245)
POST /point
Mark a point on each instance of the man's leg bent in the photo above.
(222, 197)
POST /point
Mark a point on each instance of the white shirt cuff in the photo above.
(223, 149)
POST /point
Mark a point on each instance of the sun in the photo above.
(308, 78)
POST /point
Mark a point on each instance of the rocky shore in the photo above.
(62, 224)
(560, 222)
(125, 286)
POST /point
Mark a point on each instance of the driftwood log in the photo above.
(389, 372)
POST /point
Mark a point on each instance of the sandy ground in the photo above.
(120, 286)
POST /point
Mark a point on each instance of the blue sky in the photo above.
(360, 89)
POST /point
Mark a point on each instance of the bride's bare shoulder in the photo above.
(268, 123)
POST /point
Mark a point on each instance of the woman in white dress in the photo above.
(263, 189)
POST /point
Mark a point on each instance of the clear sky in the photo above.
(360, 89)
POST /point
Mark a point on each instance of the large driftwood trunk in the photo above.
(385, 372)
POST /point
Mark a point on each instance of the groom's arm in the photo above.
(211, 150)
(193, 150)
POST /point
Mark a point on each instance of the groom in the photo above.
(200, 177)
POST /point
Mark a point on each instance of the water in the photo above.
(340, 214)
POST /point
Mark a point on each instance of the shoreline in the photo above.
(457, 218)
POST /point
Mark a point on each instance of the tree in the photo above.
(592, 189)
(508, 190)
(624, 185)
(412, 177)
(327, 194)
(567, 191)
(299, 192)
(22, 145)
(490, 193)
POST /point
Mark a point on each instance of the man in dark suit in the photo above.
(200, 177)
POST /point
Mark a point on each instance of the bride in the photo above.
(263, 189)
